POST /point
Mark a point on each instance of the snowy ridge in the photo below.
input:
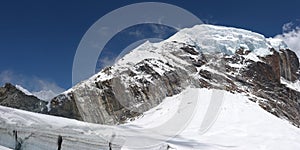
(25, 91)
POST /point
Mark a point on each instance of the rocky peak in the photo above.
(10, 96)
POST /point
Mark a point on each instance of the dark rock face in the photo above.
(142, 86)
(289, 64)
(274, 62)
(284, 64)
(260, 73)
(67, 108)
(10, 96)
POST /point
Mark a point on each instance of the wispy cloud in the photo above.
(33, 84)
(106, 61)
(149, 31)
(287, 27)
(159, 30)
(136, 33)
(291, 36)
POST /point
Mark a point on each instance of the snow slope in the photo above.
(241, 124)
(4, 148)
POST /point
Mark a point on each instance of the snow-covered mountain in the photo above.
(204, 56)
(175, 79)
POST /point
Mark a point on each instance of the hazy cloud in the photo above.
(33, 84)
(6, 76)
(44, 85)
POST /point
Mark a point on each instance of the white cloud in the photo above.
(291, 36)
(46, 89)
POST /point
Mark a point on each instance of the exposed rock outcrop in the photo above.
(289, 64)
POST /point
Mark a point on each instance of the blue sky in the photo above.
(38, 39)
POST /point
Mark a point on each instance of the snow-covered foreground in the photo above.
(241, 124)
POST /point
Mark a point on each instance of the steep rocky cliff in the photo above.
(204, 56)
